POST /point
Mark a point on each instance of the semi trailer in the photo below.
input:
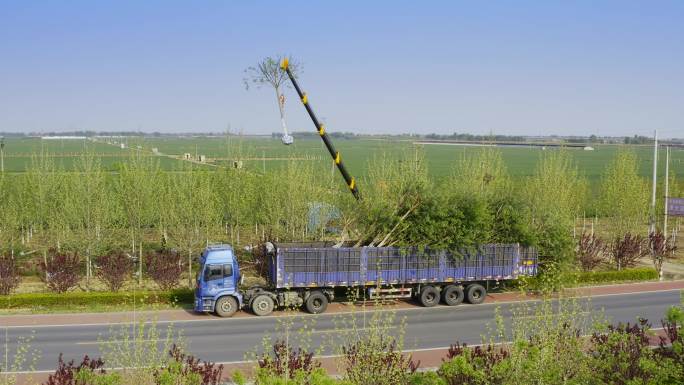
(309, 275)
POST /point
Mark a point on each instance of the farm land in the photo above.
(268, 153)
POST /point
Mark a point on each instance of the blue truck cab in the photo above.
(218, 281)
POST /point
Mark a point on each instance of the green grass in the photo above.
(521, 161)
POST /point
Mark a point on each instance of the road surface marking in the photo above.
(132, 340)
(335, 331)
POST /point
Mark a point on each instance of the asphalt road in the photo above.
(227, 340)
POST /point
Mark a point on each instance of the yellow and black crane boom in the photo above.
(351, 182)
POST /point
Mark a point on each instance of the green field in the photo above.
(268, 153)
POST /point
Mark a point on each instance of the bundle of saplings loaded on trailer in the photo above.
(310, 275)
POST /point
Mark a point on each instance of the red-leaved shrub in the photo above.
(9, 274)
(591, 251)
(68, 374)
(113, 269)
(286, 360)
(661, 247)
(165, 268)
(184, 366)
(626, 251)
(61, 271)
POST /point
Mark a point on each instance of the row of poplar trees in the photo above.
(91, 210)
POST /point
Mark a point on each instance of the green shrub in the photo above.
(622, 355)
(47, 300)
(316, 377)
(461, 370)
(426, 378)
(541, 282)
(635, 274)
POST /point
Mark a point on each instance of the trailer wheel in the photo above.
(429, 296)
(476, 293)
(262, 305)
(452, 295)
(316, 303)
(226, 306)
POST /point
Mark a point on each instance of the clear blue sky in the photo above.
(509, 67)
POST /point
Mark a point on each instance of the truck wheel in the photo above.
(452, 295)
(316, 303)
(429, 296)
(226, 306)
(262, 305)
(476, 293)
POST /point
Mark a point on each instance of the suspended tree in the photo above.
(268, 73)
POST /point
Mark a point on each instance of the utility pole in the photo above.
(2, 154)
(667, 187)
(655, 172)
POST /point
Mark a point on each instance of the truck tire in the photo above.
(262, 305)
(429, 296)
(226, 306)
(316, 303)
(452, 295)
(476, 293)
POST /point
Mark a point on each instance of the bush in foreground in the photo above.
(180, 369)
(88, 372)
(288, 362)
(619, 354)
(377, 360)
(185, 369)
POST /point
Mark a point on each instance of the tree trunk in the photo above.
(140, 264)
(384, 240)
(189, 268)
(45, 262)
(88, 272)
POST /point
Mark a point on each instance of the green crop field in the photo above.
(269, 153)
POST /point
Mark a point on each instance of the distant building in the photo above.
(123, 145)
(588, 148)
(202, 158)
(65, 137)
(187, 156)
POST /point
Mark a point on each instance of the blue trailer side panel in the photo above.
(294, 267)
